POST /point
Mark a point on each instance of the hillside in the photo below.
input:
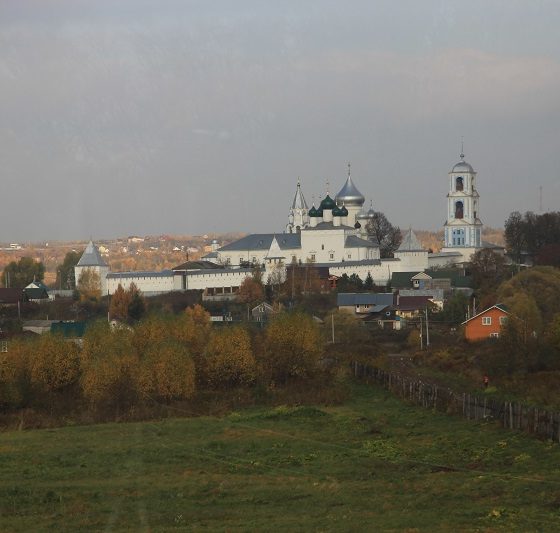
(371, 464)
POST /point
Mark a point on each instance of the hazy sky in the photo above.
(172, 116)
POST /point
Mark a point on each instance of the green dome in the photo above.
(343, 211)
(337, 212)
(313, 212)
(328, 203)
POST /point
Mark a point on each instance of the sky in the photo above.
(121, 117)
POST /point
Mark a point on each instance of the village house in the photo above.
(486, 324)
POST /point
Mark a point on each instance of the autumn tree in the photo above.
(292, 347)
(251, 291)
(89, 285)
(120, 300)
(55, 364)
(194, 328)
(228, 359)
(388, 236)
(15, 382)
(22, 272)
(127, 304)
(348, 330)
(166, 372)
(110, 366)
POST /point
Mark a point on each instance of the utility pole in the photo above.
(421, 335)
(332, 327)
(427, 331)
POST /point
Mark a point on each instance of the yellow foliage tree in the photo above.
(292, 347)
(110, 366)
(14, 374)
(120, 300)
(228, 360)
(167, 372)
(193, 328)
(55, 363)
(89, 285)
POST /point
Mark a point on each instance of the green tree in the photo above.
(488, 270)
(65, 278)
(368, 283)
(137, 305)
(22, 272)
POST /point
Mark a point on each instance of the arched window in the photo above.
(459, 184)
(458, 209)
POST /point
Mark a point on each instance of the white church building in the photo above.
(334, 234)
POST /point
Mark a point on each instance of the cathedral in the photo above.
(333, 234)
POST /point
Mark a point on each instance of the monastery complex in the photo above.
(333, 234)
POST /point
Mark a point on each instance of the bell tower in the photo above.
(463, 227)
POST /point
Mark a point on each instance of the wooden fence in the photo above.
(511, 415)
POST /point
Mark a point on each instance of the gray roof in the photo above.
(361, 262)
(211, 255)
(213, 272)
(352, 241)
(299, 200)
(462, 166)
(91, 257)
(410, 243)
(349, 194)
(364, 298)
(140, 274)
(262, 241)
(328, 225)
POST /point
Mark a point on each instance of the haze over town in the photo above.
(191, 117)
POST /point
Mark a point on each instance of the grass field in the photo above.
(372, 464)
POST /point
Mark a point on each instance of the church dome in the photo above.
(327, 203)
(343, 211)
(462, 166)
(349, 194)
(313, 212)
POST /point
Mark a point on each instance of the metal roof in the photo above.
(91, 257)
(352, 241)
(262, 241)
(410, 243)
(364, 298)
(349, 194)
(299, 200)
(140, 274)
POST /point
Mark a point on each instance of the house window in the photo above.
(331, 256)
(494, 335)
(313, 257)
(503, 320)
(322, 246)
(349, 256)
(4, 346)
(486, 320)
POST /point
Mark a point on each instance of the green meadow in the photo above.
(370, 464)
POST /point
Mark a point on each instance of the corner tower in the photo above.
(463, 227)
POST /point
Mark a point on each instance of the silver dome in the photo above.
(349, 195)
(462, 166)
